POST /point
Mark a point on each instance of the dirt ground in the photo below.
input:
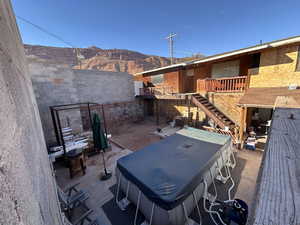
(135, 136)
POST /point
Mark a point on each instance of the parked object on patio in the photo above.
(166, 180)
(65, 136)
(232, 212)
(56, 149)
(166, 131)
(71, 198)
(55, 152)
(179, 121)
(250, 143)
(100, 143)
(76, 161)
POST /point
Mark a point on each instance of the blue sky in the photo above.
(207, 27)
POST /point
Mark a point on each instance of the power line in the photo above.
(46, 31)
(78, 54)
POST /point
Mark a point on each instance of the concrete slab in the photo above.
(246, 187)
(98, 190)
(138, 135)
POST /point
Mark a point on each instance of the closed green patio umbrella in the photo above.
(100, 142)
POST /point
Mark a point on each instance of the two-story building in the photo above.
(237, 88)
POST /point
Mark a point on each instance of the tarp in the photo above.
(169, 170)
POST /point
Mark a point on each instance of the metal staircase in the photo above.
(212, 112)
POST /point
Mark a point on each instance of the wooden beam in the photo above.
(242, 125)
(157, 111)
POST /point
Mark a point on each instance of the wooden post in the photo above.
(157, 111)
(242, 125)
(189, 110)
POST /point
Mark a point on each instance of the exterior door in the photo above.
(189, 81)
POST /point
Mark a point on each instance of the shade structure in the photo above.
(100, 141)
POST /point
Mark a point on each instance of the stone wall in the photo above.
(28, 194)
(227, 104)
(277, 68)
(56, 84)
(169, 109)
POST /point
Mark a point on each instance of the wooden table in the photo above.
(76, 161)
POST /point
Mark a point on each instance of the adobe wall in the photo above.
(56, 84)
(277, 68)
(28, 194)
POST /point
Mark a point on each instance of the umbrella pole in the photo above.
(106, 174)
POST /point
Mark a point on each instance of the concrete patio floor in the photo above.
(100, 191)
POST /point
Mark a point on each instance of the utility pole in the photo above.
(171, 42)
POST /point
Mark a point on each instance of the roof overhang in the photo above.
(273, 44)
(270, 97)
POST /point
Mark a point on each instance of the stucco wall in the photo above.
(277, 68)
(27, 189)
(56, 84)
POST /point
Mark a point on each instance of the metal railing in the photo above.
(226, 84)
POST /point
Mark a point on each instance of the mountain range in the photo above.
(117, 60)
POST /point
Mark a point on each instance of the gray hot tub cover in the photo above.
(169, 170)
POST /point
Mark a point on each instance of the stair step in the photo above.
(203, 101)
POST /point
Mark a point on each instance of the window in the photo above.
(254, 61)
(190, 73)
(157, 79)
(226, 69)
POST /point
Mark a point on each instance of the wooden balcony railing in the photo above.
(152, 91)
(226, 84)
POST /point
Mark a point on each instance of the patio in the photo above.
(139, 135)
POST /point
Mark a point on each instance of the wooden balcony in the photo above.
(226, 84)
(156, 91)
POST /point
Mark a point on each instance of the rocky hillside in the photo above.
(99, 59)
(119, 60)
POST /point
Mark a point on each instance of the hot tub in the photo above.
(165, 180)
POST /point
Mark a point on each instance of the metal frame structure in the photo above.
(56, 109)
